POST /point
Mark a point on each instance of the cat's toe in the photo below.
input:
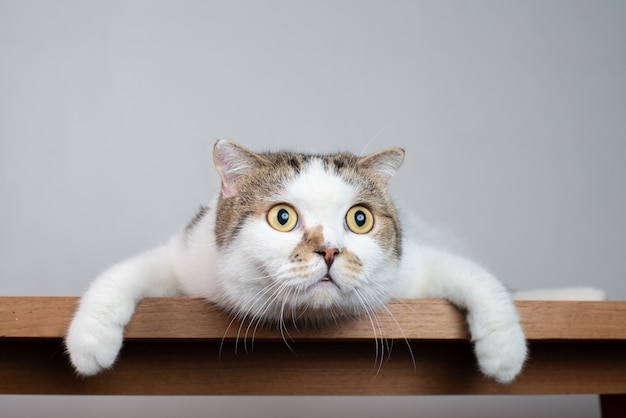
(91, 352)
(501, 354)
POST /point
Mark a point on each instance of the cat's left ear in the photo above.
(233, 162)
(384, 164)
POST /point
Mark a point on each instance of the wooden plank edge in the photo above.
(415, 319)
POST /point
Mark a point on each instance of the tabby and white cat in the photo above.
(303, 238)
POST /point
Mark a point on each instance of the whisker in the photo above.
(294, 321)
(260, 312)
(241, 316)
(377, 299)
(366, 308)
(284, 332)
(264, 308)
(384, 342)
(303, 312)
(404, 337)
(406, 305)
(371, 140)
(224, 337)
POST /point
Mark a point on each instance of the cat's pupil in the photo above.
(360, 218)
(283, 216)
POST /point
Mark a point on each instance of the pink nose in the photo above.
(329, 255)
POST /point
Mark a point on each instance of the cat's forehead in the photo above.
(338, 162)
(318, 186)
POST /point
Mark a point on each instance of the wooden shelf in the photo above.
(414, 319)
(185, 346)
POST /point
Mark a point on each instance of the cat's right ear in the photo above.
(384, 164)
(233, 162)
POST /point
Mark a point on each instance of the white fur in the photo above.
(499, 342)
(95, 335)
(257, 281)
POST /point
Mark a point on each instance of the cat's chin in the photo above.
(326, 293)
(322, 304)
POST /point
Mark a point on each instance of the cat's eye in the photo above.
(282, 218)
(360, 220)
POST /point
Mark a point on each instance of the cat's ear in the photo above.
(384, 164)
(233, 162)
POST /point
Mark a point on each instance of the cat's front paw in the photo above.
(93, 345)
(501, 353)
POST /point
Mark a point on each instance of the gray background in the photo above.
(513, 115)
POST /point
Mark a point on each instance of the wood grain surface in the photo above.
(186, 346)
(415, 319)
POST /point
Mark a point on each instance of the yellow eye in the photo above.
(360, 220)
(282, 218)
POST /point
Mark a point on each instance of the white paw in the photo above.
(93, 345)
(501, 353)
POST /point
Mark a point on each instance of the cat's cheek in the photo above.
(351, 267)
(263, 246)
(365, 260)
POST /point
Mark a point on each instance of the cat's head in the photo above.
(307, 238)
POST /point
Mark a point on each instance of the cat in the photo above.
(309, 239)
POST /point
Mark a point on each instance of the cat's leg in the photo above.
(499, 341)
(95, 335)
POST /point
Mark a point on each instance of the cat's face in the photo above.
(305, 238)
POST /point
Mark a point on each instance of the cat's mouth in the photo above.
(327, 280)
